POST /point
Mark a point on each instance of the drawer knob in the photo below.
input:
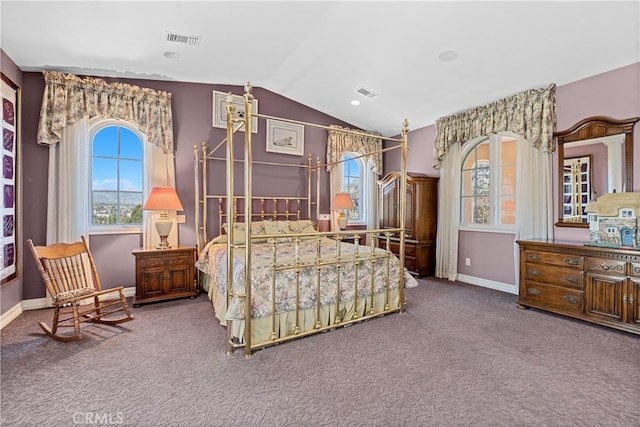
(533, 291)
(534, 257)
(570, 278)
(570, 299)
(571, 261)
(165, 262)
(533, 272)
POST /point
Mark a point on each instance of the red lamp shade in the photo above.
(163, 199)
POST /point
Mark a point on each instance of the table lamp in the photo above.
(163, 199)
(342, 201)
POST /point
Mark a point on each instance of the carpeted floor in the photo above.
(459, 356)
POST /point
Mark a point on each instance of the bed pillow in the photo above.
(278, 227)
(257, 228)
(302, 226)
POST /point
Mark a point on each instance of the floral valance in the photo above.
(68, 98)
(531, 114)
(344, 140)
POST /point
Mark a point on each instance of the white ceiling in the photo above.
(319, 53)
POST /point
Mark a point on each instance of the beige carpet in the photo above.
(459, 356)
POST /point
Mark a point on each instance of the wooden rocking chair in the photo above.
(71, 277)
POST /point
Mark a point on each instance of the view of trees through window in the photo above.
(352, 184)
(488, 182)
(116, 185)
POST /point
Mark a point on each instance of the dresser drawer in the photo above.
(634, 269)
(607, 266)
(552, 275)
(554, 297)
(410, 263)
(564, 260)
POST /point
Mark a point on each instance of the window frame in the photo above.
(96, 124)
(495, 173)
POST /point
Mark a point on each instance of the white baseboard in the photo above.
(10, 315)
(498, 286)
(39, 303)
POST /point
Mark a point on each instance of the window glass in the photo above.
(488, 181)
(116, 177)
(352, 169)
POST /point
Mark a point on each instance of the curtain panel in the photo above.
(531, 114)
(344, 140)
(68, 98)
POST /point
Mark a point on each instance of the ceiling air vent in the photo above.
(184, 39)
(366, 92)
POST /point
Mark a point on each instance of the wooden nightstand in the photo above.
(163, 274)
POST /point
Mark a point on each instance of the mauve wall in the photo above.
(11, 292)
(192, 115)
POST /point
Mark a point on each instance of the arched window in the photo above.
(116, 188)
(488, 182)
(353, 173)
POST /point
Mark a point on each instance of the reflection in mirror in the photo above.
(608, 145)
(577, 188)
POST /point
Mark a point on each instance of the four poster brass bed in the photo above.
(283, 279)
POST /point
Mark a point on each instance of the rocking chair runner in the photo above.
(70, 276)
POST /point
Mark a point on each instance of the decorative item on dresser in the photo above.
(163, 274)
(596, 284)
(420, 219)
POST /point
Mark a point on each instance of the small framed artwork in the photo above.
(285, 137)
(220, 113)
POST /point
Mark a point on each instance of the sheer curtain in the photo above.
(531, 114)
(67, 105)
(68, 192)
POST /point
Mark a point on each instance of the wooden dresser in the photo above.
(420, 219)
(599, 285)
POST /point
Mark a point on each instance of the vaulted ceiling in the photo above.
(423, 59)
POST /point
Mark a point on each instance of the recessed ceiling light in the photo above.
(355, 102)
(171, 55)
(448, 56)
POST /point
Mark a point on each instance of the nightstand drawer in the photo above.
(163, 261)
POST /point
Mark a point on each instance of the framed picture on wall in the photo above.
(9, 181)
(285, 137)
(220, 112)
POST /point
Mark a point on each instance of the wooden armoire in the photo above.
(421, 214)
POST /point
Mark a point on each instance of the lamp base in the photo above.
(163, 227)
(342, 221)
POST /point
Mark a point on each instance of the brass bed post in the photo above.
(309, 177)
(248, 215)
(196, 193)
(403, 207)
(230, 219)
(204, 194)
(317, 190)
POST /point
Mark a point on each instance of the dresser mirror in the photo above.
(595, 156)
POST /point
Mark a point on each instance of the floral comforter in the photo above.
(213, 261)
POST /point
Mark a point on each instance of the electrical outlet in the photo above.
(467, 261)
(181, 219)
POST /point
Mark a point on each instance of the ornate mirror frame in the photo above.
(590, 128)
